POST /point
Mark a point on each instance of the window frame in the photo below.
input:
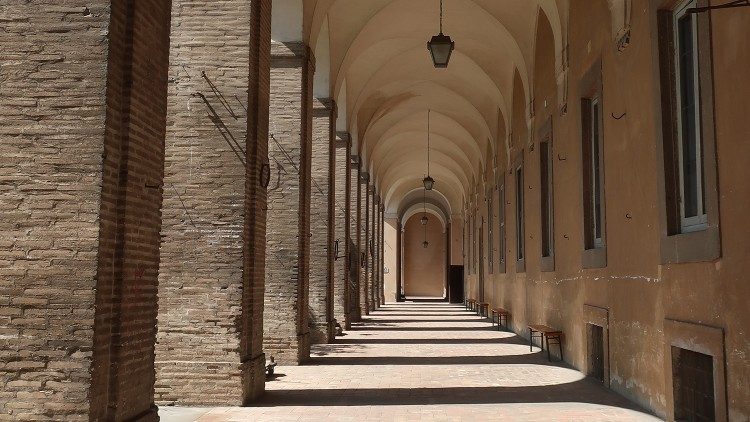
(547, 198)
(502, 241)
(490, 198)
(518, 174)
(699, 221)
(680, 243)
(594, 249)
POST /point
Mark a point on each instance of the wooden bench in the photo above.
(546, 334)
(470, 304)
(500, 313)
(483, 309)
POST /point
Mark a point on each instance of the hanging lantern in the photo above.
(441, 46)
(424, 220)
(425, 244)
(428, 181)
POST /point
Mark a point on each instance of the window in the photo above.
(689, 187)
(501, 226)
(689, 149)
(476, 238)
(545, 168)
(490, 235)
(474, 244)
(593, 173)
(519, 214)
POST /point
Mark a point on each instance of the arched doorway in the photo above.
(425, 267)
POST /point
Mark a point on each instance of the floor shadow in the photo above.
(401, 321)
(506, 340)
(535, 358)
(371, 327)
(583, 391)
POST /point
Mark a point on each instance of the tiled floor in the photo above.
(425, 361)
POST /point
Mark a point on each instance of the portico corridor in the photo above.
(425, 361)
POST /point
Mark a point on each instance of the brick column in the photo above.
(399, 260)
(81, 165)
(341, 310)
(355, 189)
(371, 207)
(381, 255)
(376, 253)
(364, 241)
(285, 318)
(210, 281)
(322, 198)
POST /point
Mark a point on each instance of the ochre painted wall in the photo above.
(390, 232)
(639, 293)
(424, 268)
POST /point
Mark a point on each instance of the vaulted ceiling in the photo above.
(371, 57)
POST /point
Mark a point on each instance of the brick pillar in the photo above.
(342, 161)
(382, 254)
(82, 166)
(371, 206)
(257, 179)
(376, 253)
(210, 295)
(399, 261)
(364, 242)
(322, 199)
(285, 318)
(355, 189)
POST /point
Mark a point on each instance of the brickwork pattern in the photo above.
(364, 239)
(83, 120)
(342, 201)
(52, 141)
(254, 268)
(355, 211)
(286, 331)
(201, 277)
(130, 213)
(376, 251)
(371, 196)
(322, 198)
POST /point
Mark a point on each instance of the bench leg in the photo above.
(531, 340)
(549, 357)
(559, 343)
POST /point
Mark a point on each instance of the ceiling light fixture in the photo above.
(441, 46)
(428, 181)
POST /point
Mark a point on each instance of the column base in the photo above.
(150, 415)
(322, 333)
(253, 378)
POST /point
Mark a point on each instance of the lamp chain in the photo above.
(428, 142)
(441, 16)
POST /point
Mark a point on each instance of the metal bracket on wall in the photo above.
(731, 4)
